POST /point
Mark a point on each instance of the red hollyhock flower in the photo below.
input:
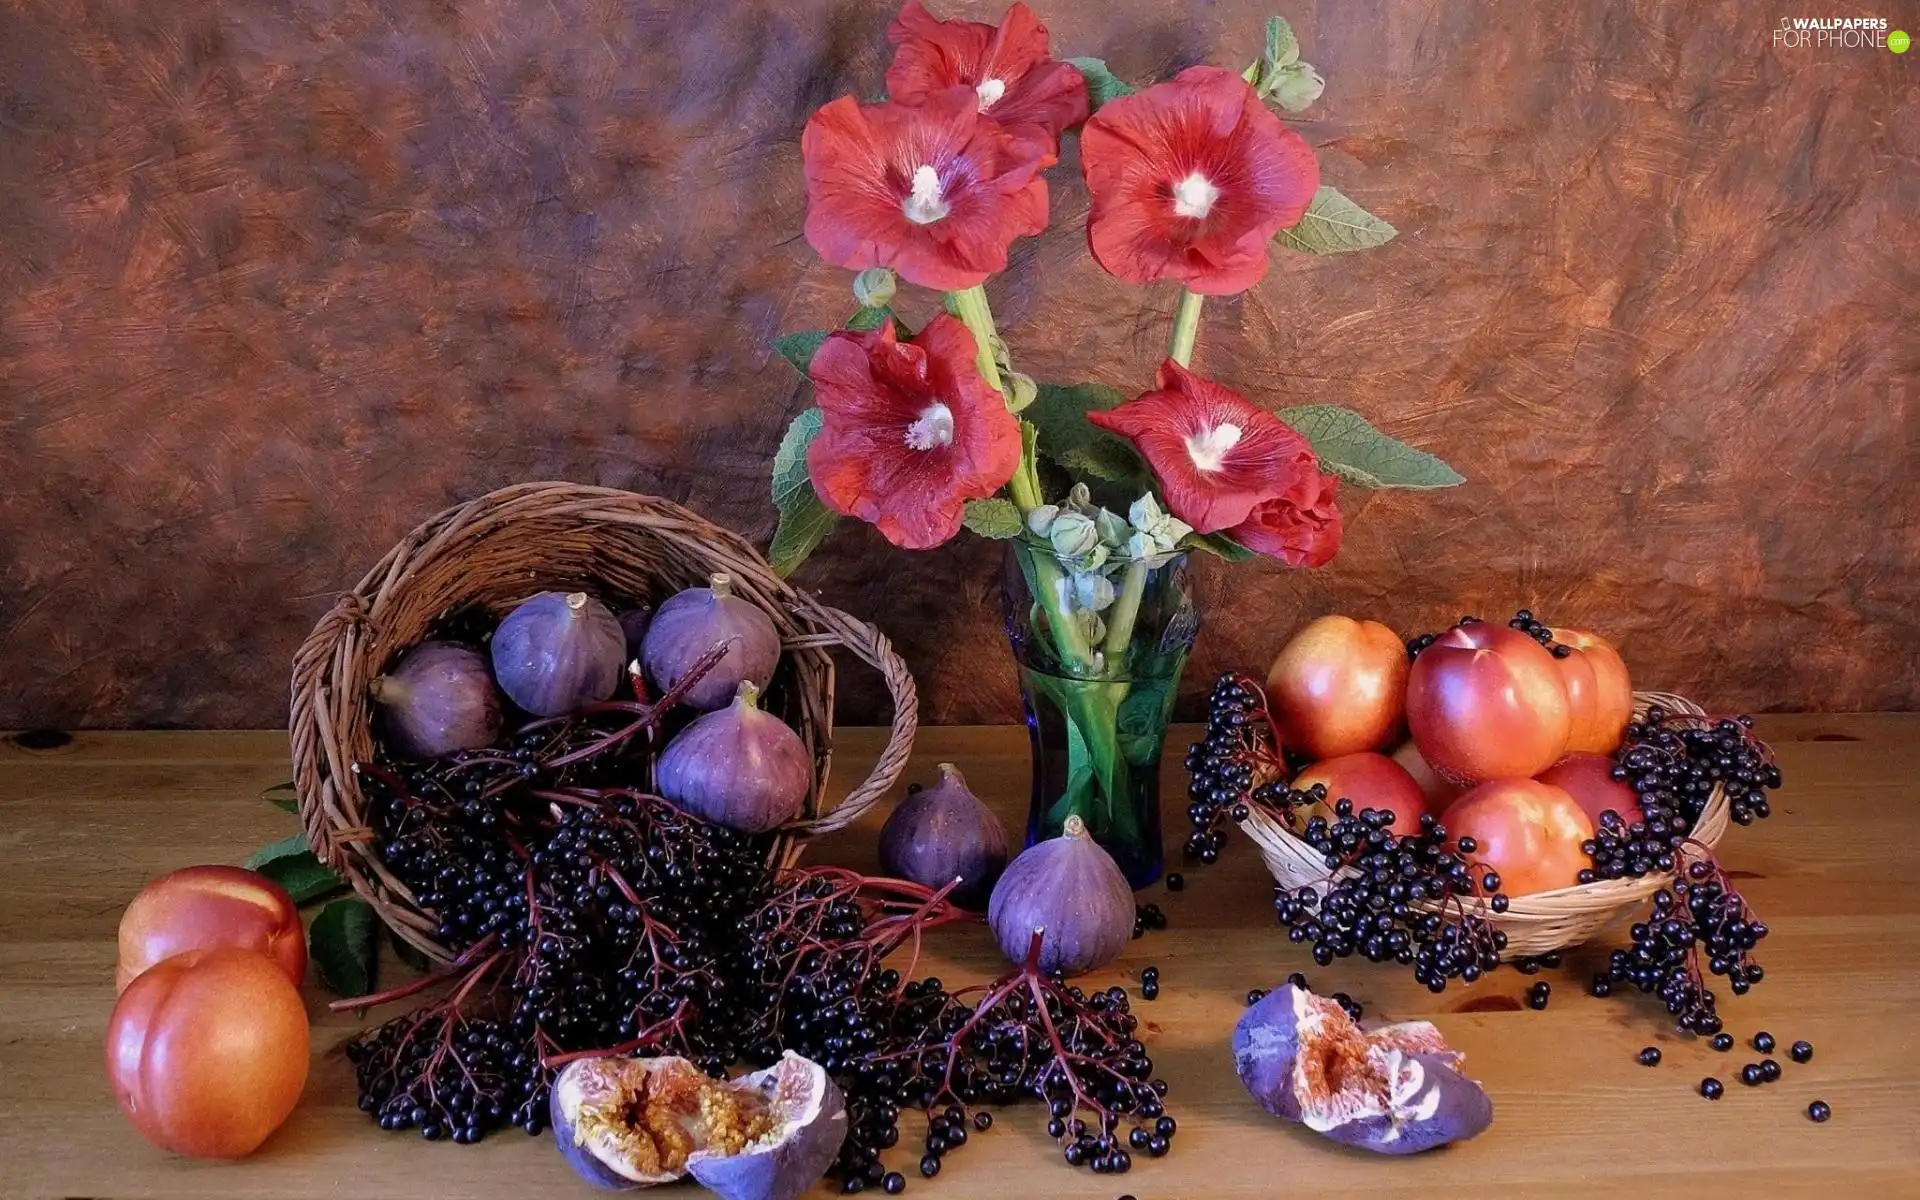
(1301, 528)
(912, 432)
(1008, 66)
(1190, 180)
(1216, 455)
(933, 190)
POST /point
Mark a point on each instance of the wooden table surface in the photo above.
(1836, 873)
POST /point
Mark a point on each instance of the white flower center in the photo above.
(933, 429)
(1194, 196)
(1209, 449)
(924, 205)
(990, 91)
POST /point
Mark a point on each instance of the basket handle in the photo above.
(871, 646)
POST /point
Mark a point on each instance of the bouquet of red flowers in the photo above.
(924, 425)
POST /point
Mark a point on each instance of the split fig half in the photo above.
(1398, 1089)
(627, 1123)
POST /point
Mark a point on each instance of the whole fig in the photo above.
(737, 766)
(439, 699)
(943, 833)
(633, 626)
(1070, 892)
(694, 621)
(1396, 1090)
(557, 652)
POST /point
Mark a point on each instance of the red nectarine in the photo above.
(207, 1051)
(1529, 832)
(1339, 687)
(1370, 781)
(1438, 790)
(198, 907)
(1588, 778)
(1599, 694)
(1486, 702)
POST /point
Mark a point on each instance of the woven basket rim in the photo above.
(1541, 918)
(567, 530)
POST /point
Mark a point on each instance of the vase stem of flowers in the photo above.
(923, 426)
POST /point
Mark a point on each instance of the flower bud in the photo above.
(1040, 520)
(1295, 87)
(1072, 535)
(1079, 497)
(1021, 390)
(1145, 513)
(874, 287)
(1113, 530)
(1093, 592)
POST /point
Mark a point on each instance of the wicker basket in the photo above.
(496, 551)
(1540, 923)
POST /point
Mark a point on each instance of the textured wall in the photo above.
(279, 280)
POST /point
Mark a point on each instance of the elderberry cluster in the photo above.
(1236, 763)
(1702, 916)
(449, 1077)
(1394, 898)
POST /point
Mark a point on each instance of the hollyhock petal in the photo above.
(1216, 454)
(910, 431)
(1014, 78)
(932, 190)
(1301, 529)
(1190, 179)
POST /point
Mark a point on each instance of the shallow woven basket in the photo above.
(498, 550)
(1537, 924)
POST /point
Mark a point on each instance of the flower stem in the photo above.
(978, 318)
(1186, 327)
(1126, 609)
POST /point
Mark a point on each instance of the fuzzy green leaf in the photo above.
(1283, 47)
(342, 946)
(1220, 546)
(284, 848)
(1102, 84)
(994, 518)
(305, 877)
(1059, 414)
(870, 318)
(1334, 224)
(799, 348)
(804, 521)
(1361, 455)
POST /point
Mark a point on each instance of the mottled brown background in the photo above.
(279, 280)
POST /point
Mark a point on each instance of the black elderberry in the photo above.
(1819, 1111)
(1537, 995)
(1769, 1070)
(1722, 1042)
(930, 1165)
(983, 1121)
(1801, 1052)
(893, 1183)
(1176, 882)
(1649, 1057)
(1763, 1042)
(1752, 1075)
(1255, 996)
(1712, 1088)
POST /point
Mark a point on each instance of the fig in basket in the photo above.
(1398, 1089)
(558, 652)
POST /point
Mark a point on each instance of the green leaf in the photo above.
(305, 877)
(1361, 455)
(1059, 414)
(1102, 84)
(341, 943)
(871, 318)
(994, 518)
(1219, 545)
(1283, 48)
(284, 848)
(799, 348)
(283, 796)
(408, 953)
(1334, 224)
(804, 521)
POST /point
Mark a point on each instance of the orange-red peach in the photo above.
(1486, 702)
(1339, 687)
(1599, 694)
(207, 1051)
(1529, 832)
(1371, 781)
(1588, 778)
(195, 908)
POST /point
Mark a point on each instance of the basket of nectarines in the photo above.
(1508, 770)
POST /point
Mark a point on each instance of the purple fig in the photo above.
(943, 833)
(439, 699)
(738, 766)
(1072, 893)
(633, 627)
(1396, 1090)
(694, 622)
(558, 652)
(809, 1123)
(627, 1123)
